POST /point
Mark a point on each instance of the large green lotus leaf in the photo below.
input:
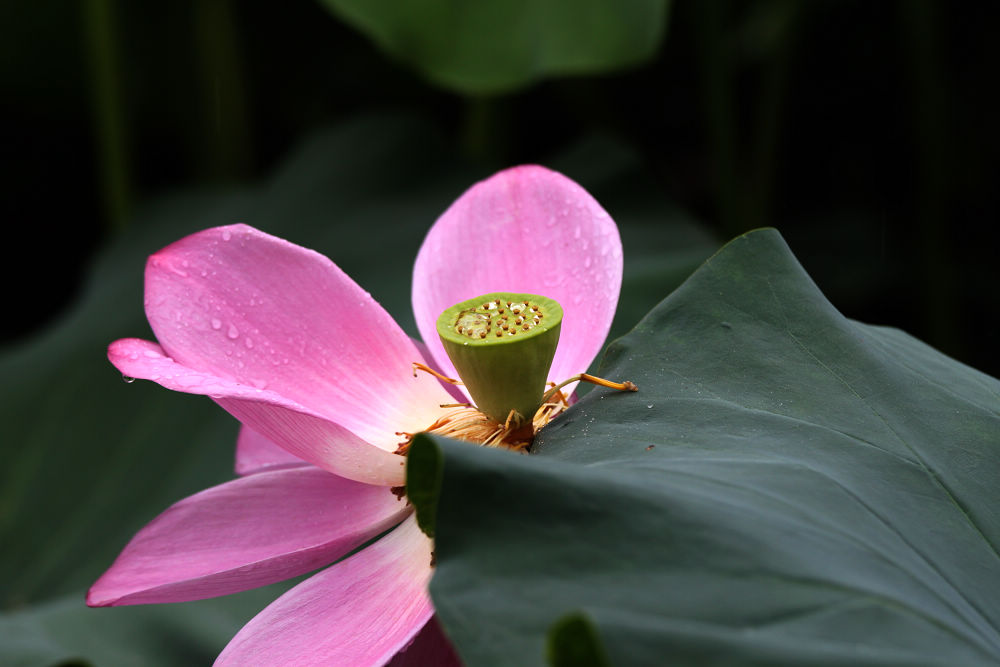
(787, 487)
(492, 46)
(89, 459)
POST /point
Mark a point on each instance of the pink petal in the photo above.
(526, 229)
(246, 533)
(298, 429)
(255, 453)
(236, 303)
(429, 647)
(359, 612)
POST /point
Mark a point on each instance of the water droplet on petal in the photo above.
(226, 235)
(128, 379)
(233, 331)
(248, 342)
(216, 323)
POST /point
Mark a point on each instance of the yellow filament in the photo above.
(417, 366)
(628, 385)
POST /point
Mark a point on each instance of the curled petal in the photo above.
(526, 229)
(255, 453)
(246, 533)
(361, 611)
(238, 304)
(296, 428)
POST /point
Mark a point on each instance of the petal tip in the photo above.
(97, 599)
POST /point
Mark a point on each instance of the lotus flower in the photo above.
(321, 378)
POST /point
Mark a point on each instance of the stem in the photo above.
(718, 106)
(774, 85)
(109, 122)
(929, 91)
(484, 129)
(227, 136)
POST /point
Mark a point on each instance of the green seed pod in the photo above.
(502, 345)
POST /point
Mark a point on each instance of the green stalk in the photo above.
(226, 142)
(101, 38)
(929, 95)
(770, 105)
(718, 107)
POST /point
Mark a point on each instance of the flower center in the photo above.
(502, 346)
(464, 422)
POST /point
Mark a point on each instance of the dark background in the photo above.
(866, 132)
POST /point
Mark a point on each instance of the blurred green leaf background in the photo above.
(865, 132)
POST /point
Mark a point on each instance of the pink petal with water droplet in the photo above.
(246, 533)
(359, 612)
(525, 229)
(236, 303)
(296, 428)
(255, 453)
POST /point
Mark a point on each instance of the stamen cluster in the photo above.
(467, 423)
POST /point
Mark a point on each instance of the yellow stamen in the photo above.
(465, 422)
(593, 379)
(417, 366)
